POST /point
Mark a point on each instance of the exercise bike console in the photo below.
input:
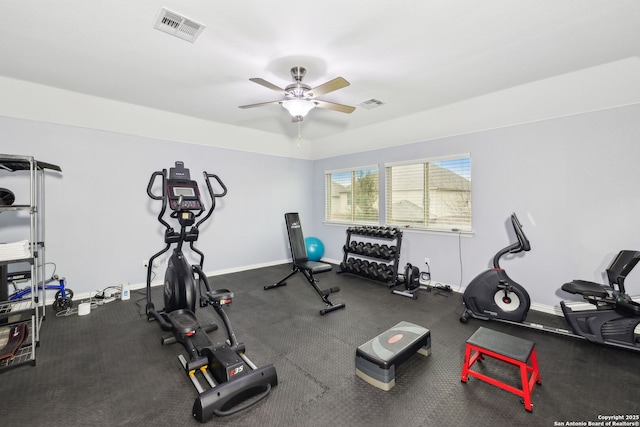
(235, 382)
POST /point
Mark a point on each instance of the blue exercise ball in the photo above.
(315, 248)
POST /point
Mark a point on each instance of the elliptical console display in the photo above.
(182, 192)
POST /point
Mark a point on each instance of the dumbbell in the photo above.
(385, 273)
(385, 251)
(352, 265)
(372, 268)
(375, 250)
(367, 249)
(357, 266)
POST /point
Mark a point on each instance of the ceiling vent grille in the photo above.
(370, 104)
(177, 25)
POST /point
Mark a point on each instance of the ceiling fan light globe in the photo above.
(298, 107)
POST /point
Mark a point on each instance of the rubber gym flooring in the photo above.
(109, 368)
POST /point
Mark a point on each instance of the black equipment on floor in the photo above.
(236, 383)
(411, 281)
(614, 320)
(301, 263)
(415, 280)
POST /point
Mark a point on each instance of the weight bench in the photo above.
(510, 349)
(301, 264)
(377, 359)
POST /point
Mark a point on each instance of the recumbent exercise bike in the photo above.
(236, 383)
(612, 320)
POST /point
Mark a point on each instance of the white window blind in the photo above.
(352, 195)
(431, 194)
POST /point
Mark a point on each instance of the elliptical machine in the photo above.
(614, 321)
(236, 383)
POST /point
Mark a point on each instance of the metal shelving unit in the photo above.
(29, 311)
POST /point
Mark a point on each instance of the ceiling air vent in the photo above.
(177, 25)
(370, 104)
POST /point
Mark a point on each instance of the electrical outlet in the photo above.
(145, 263)
(427, 261)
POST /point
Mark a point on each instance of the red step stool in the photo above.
(510, 349)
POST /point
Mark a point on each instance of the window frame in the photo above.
(424, 225)
(329, 216)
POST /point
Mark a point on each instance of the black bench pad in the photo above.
(507, 345)
(314, 266)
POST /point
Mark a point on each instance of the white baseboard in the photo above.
(79, 297)
(549, 309)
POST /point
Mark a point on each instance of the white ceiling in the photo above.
(414, 56)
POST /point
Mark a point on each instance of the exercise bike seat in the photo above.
(183, 320)
(586, 288)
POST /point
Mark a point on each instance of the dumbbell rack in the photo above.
(370, 258)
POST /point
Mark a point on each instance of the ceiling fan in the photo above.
(301, 98)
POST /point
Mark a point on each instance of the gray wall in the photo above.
(573, 182)
(100, 224)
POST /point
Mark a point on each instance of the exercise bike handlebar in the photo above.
(521, 245)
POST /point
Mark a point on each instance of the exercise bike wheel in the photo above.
(507, 302)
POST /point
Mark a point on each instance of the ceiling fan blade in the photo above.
(268, 85)
(333, 106)
(330, 86)
(260, 104)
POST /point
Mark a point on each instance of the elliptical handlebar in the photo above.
(208, 175)
(521, 245)
(152, 180)
(212, 194)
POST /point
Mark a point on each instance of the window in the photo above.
(352, 195)
(431, 194)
